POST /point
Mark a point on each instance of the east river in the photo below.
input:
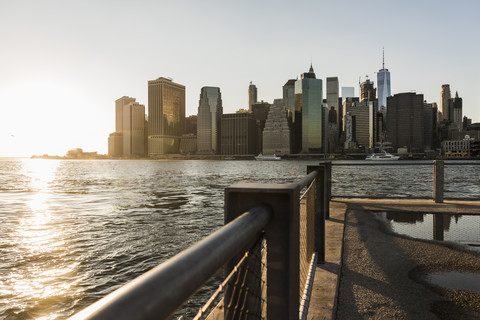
(73, 231)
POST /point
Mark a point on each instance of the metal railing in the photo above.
(292, 230)
(438, 178)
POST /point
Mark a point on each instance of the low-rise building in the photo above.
(456, 148)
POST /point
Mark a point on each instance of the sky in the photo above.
(64, 63)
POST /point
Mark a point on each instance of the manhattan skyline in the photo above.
(65, 63)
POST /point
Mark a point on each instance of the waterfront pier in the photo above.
(380, 274)
(297, 251)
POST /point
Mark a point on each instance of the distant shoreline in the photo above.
(173, 157)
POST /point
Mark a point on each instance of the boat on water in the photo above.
(273, 157)
(385, 156)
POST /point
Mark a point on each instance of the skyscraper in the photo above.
(166, 116)
(333, 95)
(367, 91)
(362, 119)
(119, 103)
(129, 136)
(430, 125)
(276, 134)
(209, 120)
(239, 134)
(444, 102)
(289, 95)
(383, 83)
(252, 95)
(457, 106)
(309, 103)
(133, 129)
(405, 121)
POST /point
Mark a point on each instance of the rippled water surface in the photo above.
(73, 231)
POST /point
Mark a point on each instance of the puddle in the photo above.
(464, 229)
(455, 280)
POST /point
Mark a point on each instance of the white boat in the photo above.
(385, 156)
(262, 157)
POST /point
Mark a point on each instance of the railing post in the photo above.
(282, 235)
(438, 180)
(319, 212)
(326, 166)
(329, 188)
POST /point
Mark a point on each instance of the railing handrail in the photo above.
(159, 292)
(344, 163)
(307, 179)
(438, 178)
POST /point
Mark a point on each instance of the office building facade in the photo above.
(276, 134)
(115, 144)
(405, 121)
(445, 102)
(384, 89)
(239, 134)
(133, 130)
(362, 121)
(130, 122)
(332, 96)
(309, 104)
(289, 95)
(166, 115)
(252, 95)
(119, 104)
(209, 121)
(457, 106)
(368, 92)
(430, 126)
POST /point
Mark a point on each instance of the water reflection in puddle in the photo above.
(455, 280)
(463, 229)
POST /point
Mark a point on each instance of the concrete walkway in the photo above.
(324, 291)
(382, 273)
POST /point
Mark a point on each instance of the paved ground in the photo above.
(381, 273)
(323, 301)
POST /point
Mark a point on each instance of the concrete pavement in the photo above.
(382, 273)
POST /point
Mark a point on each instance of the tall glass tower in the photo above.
(383, 82)
(309, 101)
(209, 120)
(166, 116)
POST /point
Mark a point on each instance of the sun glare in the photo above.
(37, 121)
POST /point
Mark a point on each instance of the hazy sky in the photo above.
(64, 63)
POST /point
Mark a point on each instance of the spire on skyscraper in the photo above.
(383, 58)
(383, 82)
(310, 74)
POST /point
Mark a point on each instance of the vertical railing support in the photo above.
(326, 168)
(329, 188)
(438, 180)
(319, 212)
(282, 235)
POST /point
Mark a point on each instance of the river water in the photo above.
(73, 231)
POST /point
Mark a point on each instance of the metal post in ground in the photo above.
(329, 188)
(438, 180)
(326, 167)
(282, 235)
(319, 213)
